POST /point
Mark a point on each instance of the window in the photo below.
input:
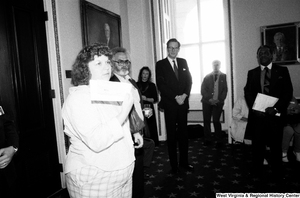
(199, 27)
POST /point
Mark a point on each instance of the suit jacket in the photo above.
(280, 87)
(169, 86)
(207, 88)
(8, 137)
(8, 133)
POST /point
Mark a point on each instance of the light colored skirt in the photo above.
(90, 181)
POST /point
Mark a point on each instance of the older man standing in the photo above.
(214, 91)
(174, 82)
(121, 65)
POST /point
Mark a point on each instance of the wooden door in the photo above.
(25, 87)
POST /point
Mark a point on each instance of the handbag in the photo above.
(136, 123)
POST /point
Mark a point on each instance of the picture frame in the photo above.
(100, 25)
(287, 37)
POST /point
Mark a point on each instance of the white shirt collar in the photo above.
(263, 67)
(121, 78)
(218, 72)
(171, 61)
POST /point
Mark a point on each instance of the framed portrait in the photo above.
(284, 39)
(100, 25)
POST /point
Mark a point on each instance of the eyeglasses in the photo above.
(122, 62)
(173, 48)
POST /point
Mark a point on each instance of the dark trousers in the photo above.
(8, 182)
(214, 112)
(152, 127)
(267, 131)
(148, 151)
(138, 174)
(176, 125)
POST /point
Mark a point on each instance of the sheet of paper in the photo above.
(102, 91)
(263, 101)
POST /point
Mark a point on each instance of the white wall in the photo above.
(140, 35)
(136, 35)
(69, 36)
(247, 18)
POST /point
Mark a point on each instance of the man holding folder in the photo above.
(271, 80)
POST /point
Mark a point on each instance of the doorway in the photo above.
(25, 87)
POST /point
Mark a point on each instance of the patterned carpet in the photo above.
(224, 169)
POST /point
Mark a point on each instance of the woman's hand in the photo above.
(144, 98)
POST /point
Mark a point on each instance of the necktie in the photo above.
(279, 54)
(267, 80)
(175, 69)
(216, 77)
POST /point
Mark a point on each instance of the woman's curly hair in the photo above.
(80, 70)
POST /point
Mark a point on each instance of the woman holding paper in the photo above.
(100, 158)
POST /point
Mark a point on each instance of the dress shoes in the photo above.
(187, 167)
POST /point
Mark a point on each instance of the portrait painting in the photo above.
(284, 40)
(100, 25)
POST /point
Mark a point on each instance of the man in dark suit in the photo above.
(267, 127)
(214, 91)
(174, 82)
(9, 143)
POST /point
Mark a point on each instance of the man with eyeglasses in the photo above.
(174, 82)
(120, 68)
